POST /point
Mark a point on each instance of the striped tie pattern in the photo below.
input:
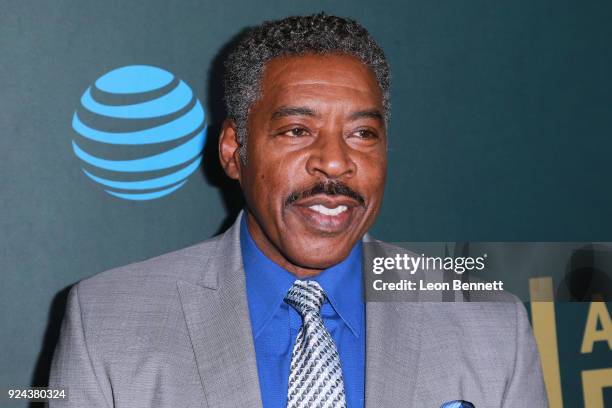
(315, 378)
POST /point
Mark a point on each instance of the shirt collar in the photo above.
(267, 284)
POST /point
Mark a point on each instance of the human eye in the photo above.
(364, 133)
(295, 131)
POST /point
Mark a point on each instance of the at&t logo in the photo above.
(140, 132)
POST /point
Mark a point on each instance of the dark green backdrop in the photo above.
(501, 130)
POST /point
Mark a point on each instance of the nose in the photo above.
(330, 157)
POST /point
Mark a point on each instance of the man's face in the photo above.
(316, 159)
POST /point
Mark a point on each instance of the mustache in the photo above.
(329, 187)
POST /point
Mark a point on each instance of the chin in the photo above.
(317, 260)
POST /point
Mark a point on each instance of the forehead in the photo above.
(328, 76)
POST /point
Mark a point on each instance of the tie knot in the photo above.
(305, 296)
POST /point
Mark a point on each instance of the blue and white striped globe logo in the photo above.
(140, 132)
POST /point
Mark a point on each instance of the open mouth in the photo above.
(321, 209)
(326, 214)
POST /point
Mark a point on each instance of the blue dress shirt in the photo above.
(275, 324)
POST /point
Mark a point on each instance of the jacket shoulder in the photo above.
(150, 276)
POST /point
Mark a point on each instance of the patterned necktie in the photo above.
(315, 379)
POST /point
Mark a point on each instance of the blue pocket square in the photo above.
(457, 404)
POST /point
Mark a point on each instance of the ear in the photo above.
(229, 148)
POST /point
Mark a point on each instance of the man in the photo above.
(271, 313)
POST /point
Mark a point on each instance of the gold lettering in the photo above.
(597, 313)
(545, 333)
(593, 383)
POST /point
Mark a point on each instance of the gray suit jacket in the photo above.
(174, 331)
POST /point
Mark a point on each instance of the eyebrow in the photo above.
(369, 113)
(285, 111)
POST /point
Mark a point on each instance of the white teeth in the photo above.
(328, 211)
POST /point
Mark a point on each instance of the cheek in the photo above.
(272, 178)
(256, 183)
(288, 172)
(372, 171)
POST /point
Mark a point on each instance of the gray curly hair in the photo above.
(298, 35)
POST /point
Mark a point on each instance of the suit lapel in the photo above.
(217, 316)
(216, 311)
(393, 337)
